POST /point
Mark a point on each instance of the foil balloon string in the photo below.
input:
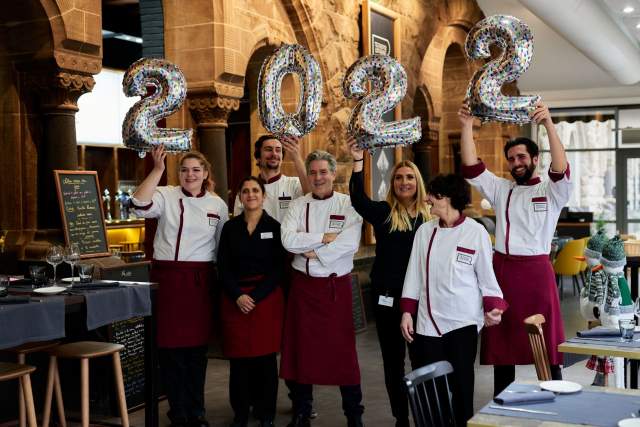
(484, 94)
(388, 87)
(139, 129)
(287, 59)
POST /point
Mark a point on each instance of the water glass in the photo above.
(38, 275)
(4, 285)
(85, 271)
(627, 327)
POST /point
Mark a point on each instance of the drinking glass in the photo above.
(627, 327)
(55, 256)
(85, 271)
(72, 256)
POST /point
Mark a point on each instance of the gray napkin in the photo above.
(523, 397)
(599, 332)
(14, 300)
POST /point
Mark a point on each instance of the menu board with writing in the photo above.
(359, 316)
(130, 333)
(81, 210)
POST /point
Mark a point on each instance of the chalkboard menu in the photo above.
(359, 316)
(81, 210)
(130, 333)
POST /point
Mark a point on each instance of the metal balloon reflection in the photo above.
(484, 95)
(139, 129)
(296, 60)
(388, 87)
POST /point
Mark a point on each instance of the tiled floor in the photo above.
(377, 411)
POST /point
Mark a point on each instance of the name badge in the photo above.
(465, 255)
(336, 222)
(385, 300)
(268, 235)
(539, 204)
(213, 219)
(284, 201)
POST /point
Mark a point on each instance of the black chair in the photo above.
(430, 395)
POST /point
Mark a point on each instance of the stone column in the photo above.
(211, 111)
(426, 151)
(58, 147)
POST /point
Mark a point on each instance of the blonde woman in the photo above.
(190, 219)
(395, 222)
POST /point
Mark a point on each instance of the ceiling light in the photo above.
(628, 9)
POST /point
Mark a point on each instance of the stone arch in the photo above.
(426, 150)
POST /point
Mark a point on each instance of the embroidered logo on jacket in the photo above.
(464, 255)
(336, 222)
(283, 202)
(213, 218)
(539, 204)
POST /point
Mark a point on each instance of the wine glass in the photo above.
(636, 310)
(55, 255)
(72, 256)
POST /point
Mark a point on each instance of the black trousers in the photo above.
(457, 347)
(503, 375)
(183, 372)
(302, 396)
(253, 381)
(393, 347)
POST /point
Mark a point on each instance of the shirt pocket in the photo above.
(336, 223)
(213, 219)
(539, 205)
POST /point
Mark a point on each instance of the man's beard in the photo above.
(526, 176)
(272, 167)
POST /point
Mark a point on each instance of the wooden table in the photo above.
(487, 420)
(603, 350)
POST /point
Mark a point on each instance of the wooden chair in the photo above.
(12, 371)
(21, 353)
(430, 395)
(533, 324)
(86, 350)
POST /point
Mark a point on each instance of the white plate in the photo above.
(558, 386)
(68, 279)
(629, 422)
(51, 290)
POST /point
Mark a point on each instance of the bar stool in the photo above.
(11, 371)
(21, 353)
(85, 350)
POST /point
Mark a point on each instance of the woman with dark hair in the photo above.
(395, 221)
(190, 219)
(451, 288)
(251, 263)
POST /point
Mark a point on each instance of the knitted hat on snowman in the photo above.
(595, 245)
(613, 255)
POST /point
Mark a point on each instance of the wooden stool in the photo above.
(85, 350)
(54, 380)
(11, 371)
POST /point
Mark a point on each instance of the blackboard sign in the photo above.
(81, 210)
(130, 333)
(130, 272)
(359, 316)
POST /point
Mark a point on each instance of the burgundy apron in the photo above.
(184, 303)
(319, 343)
(529, 286)
(254, 334)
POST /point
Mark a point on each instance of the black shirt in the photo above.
(393, 249)
(242, 255)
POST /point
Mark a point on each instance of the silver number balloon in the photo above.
(388, 87)
(484, 95)
(296, 60)
(139, 129)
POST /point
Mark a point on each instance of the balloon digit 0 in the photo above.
(296, 60)
(139, 129)
(484, 93)
(388, 87)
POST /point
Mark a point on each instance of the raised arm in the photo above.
(541, 116)
(292, 146)
(144, 192)
(373, 212)
(467, 146)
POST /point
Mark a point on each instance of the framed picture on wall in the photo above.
(380, 34)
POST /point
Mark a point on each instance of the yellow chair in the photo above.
(566, 264)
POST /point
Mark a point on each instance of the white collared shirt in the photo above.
(450, 294)
(280, 193)
(526, 215)
(304, 226)
(188, 227)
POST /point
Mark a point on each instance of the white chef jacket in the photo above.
(280, 190)
(306, 222)
(189, 227)
(526, 215)
(450, 277)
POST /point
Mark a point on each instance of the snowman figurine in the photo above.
(618, 304)
(592, 295)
